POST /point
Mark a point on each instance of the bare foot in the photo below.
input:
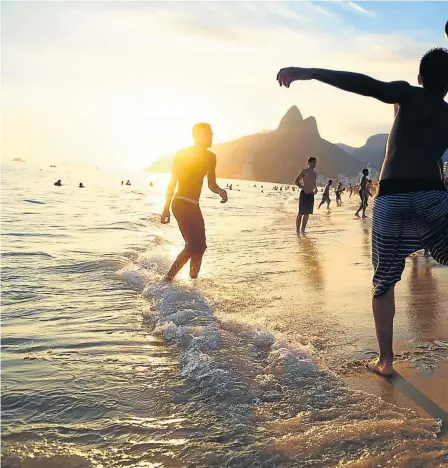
(382, 367)
(357, 215)
(167, 278)
(364, 217)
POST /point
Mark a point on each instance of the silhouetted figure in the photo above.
(338, 193)
(128, 183)
(58, 183)
(326, 195)
(81, 185)
(190, 166)
(122, 182)
(363, 193)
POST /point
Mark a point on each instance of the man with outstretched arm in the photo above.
(307, 181)
(411, 208)
(190, 166)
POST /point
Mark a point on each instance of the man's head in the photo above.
(203, 135)
(312, 162)
(330, 182)
(433, 73)
(365, 172)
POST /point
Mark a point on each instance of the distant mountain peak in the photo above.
(311, 125)
(290, 120)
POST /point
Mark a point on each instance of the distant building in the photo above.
(321, 180)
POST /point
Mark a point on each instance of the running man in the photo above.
(306, 180)
(190, 166)
(326, 195)
(411, 209)
(363, 193)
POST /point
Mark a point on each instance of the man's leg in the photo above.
(198, 243)
(195, 265)
(298, 222)
(304, 222)
(384, 311)
(178, 264)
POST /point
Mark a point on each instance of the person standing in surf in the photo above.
(190, 166)
(410, 211)
(306, 180)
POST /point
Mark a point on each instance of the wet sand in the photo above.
(319, 289)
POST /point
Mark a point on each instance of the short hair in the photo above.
(199, 127)
(312, 159)
(434, 70)
(365, 171)
(330, 181)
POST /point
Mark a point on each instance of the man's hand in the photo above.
(165, 218)
(287, 75)
(223, 195)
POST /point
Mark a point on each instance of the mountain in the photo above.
(278, 155)
(346, 148)
(373, 151)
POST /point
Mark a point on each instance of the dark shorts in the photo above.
(402, 224)
(191, 224)
(306, 203)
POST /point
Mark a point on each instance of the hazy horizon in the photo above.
(119, 84)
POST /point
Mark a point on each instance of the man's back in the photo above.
(418, 138)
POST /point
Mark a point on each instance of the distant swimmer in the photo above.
(81, 185)
(190, 166)
(122, 182)
(58, 183)
(326, 195)
(338, 193)
(128, 183)
(363, 194)
(306, 181)
(410, 211)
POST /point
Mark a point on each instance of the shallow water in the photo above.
(105, 365)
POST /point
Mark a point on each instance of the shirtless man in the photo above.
(411, 209)
(306, 180)
(190, 166)
(363, 193)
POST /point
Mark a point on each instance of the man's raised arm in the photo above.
(389, 92)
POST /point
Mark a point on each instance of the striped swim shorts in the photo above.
(402, 224)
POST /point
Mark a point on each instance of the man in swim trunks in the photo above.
(326, 195)
(363, 193)
(411, 209)
(190, 166)
(306, 180)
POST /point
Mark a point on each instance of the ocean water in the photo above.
(104, 365)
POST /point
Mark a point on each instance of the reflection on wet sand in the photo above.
(366, 240)
(311, 269)
(424, 302)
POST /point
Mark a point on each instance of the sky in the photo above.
(120, 84)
